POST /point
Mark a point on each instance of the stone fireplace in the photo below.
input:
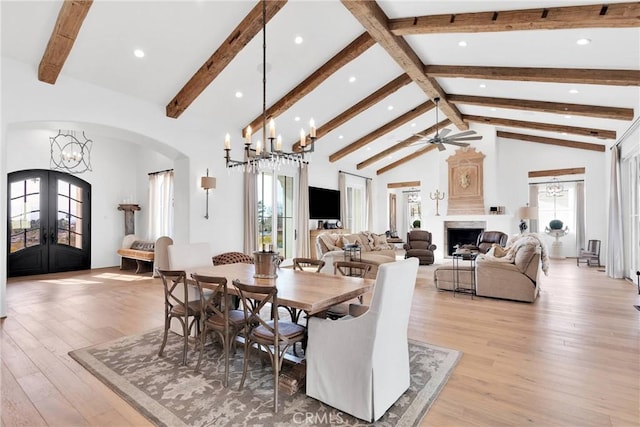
(461, 233)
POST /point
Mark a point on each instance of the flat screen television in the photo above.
(324, 203)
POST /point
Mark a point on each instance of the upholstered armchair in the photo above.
(486, 239)
(360, 365)
(419, 246)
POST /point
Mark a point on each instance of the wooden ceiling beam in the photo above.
(361, 106)
(557, 172)
(382, 130)
(615, 15)
(552, 141)
(598, 133)
(374, 20)
(402, 144)
(546, 107)
(405, 159)
(244, 32)
(403, 184)
(63, 36)
(549, 75)
(346, 55)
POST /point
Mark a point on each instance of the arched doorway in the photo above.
(48, 223)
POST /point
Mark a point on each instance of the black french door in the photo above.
(49, 227)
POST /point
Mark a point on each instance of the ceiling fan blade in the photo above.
(468, 138)
(459, 144)
(465, 133)
(444, 132)
(441, 147)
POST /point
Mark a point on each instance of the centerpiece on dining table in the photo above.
(266, 263)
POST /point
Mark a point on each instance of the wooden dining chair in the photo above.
(352, 269)
(217, 317)
(274, 336)
(303, 264)
(308, 264)
(177, 306)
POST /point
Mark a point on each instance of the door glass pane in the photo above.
(75, 208)
(63, 188)
(76, 193)
(69, 214)
(17, 189)
(24, 214)
(33, 238)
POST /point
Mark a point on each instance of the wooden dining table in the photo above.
(303, 290)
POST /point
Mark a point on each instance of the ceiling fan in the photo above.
(441, 138)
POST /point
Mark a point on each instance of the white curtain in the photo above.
(302, 241)
(615, 242)
(160, 212)
(369, 196)
(342, 186)
(250, 213)
(580, 217)
(533, 202)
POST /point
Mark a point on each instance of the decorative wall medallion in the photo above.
(466, 193)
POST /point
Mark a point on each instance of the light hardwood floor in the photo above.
(570, 359)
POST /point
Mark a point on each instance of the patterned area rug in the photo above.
(172, 395)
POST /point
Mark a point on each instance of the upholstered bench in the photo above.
(142, 255)
(444, 277)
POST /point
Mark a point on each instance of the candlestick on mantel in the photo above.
(437, 198)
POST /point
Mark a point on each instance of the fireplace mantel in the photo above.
(435, 224)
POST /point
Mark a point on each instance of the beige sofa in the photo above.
(374, 249)
(515, 276)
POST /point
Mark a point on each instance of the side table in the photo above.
(353, 253)
(465, 256)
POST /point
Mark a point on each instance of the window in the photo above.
(160, 204)
(24, 214)
(280, 228)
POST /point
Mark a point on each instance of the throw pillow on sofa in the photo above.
(353, 239)
(379, 242)
(332, 241)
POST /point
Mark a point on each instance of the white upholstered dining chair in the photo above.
(360, 365)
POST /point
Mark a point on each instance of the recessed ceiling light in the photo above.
(564, 133)
(298, 40)
(494, 109)
(340, 136)
(567, 116)
(482, 85)
(296, 118)
(390, 107)
(238, 94)
(368, 148)
(583, 42)
(139, 53)
(462, 43)
(574, 91)
(352, 79)
(413, 125)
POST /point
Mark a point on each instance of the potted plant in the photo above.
(416, 223)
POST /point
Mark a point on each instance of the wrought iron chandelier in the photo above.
(70, 154)
(268, 153)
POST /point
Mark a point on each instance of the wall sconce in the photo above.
(207, 183)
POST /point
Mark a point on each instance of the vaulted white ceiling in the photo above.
(177, 37)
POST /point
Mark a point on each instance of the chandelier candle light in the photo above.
(270, 155)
